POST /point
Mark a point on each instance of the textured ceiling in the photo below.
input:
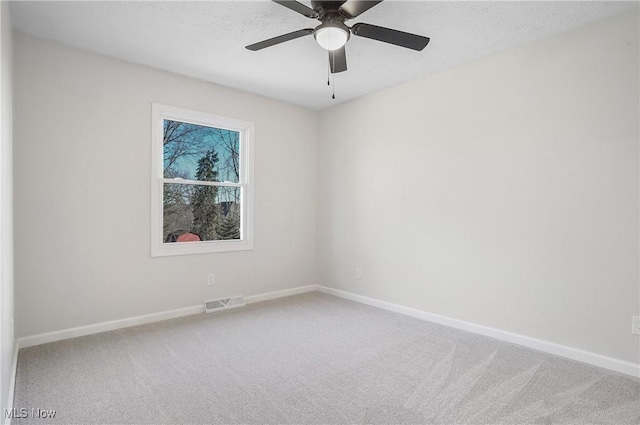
(206, 40)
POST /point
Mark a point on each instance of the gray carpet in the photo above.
(311, 359)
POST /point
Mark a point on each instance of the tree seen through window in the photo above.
(202, 200)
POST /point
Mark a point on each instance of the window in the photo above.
(201, 195)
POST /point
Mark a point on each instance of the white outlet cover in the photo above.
(636, 325)
(212, 279)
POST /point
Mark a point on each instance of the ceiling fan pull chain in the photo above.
(328, 71)
(333, 86)
(332, 55)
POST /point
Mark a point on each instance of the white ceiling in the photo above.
(206, 39)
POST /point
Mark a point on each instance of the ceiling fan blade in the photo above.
(338, 60)
(280, 39)
(298, 7)
(387, 35)
(353, 8)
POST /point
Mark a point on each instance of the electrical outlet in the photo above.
(358, 273)
(636, 325)
(212, 279)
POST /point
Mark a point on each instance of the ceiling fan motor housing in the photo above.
(327, 8)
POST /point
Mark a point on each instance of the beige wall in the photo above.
(6, 209)
(503, 192)
(82, 161)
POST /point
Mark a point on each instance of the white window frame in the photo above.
(246, 129)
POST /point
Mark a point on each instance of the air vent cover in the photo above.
(223, 304)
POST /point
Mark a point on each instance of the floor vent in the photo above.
(223, 304)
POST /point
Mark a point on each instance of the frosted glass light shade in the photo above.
(331, 38)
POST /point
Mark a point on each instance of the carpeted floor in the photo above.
(311, 359)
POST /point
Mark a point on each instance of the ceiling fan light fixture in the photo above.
(331, 37)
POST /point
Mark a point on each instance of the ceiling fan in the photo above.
(332, 34)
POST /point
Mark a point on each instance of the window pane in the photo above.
(197, 152)
(194, 213)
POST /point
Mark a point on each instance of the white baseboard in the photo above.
(30, 341)
(583, 356)
(12, 383)
(280, 294)
(610, 363)
(43, 338)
